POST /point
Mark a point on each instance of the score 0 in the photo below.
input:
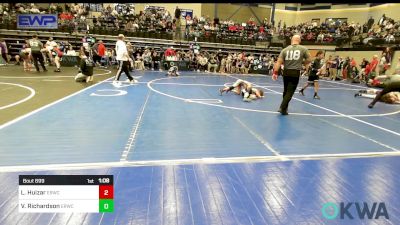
(106, 198)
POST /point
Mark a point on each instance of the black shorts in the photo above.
(313, 78)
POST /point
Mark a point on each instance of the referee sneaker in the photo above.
(292, 57)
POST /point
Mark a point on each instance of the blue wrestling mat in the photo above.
(183, 154)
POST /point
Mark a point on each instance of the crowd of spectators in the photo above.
(160, 20)
(339, 31)
(386, 30)
(221, 62)
(347, 68)
(143, 58)
(249, 30)
(146, 58)
(123, 18)
(201, 61)
(323, 33)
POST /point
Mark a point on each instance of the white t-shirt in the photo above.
(50, 45)
(121, 51)
(71, 52)
(383, 60)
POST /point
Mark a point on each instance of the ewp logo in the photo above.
(331, 211)
(37, 21)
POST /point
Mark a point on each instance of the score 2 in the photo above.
(106, 192)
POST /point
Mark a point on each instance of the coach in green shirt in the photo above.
(36, 46)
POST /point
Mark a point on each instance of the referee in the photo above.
(292, 57)
(123, 60)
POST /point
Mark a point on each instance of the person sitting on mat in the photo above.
(391, 84)
(244, 88)
(86, 68)
(389, 98)
(173, 71)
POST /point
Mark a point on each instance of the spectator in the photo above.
(229, 60)
(177, 23)
(57, 55)
(110, 57)
(101, 50)
(222, 67)
(382, 20)
(363, 65)
(155, 61)
(245, 66)
(170, 54)
(201, 63)
(333, 68)
(4, 51)
(139, 64)
(95, 53)
(147, 58)
(131, 54)
(346, 68)
(71, 51)
(212, 64)
(371, 68)
(382, 63)
(129, 26)
(48, 48)
(85, 69)
(354, 72)
(390, 38)
(320, 37)
(340, 67)
(370, 22)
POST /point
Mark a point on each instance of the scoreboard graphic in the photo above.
(66, 193)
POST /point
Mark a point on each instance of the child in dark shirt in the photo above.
(85, 69)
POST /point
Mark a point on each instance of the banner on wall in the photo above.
(37, 21)
(68, 60)
(186, 12)
(153, 8)
(182, 65)
(94, 7)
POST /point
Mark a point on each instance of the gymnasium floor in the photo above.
(182, 154)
